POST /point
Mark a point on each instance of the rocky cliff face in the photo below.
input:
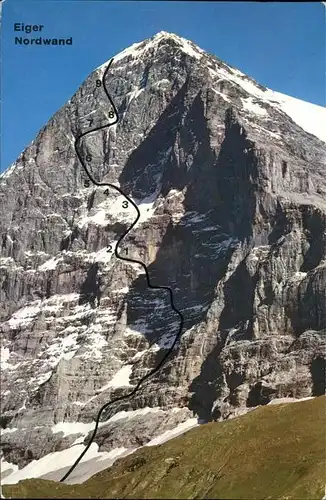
(229, 178)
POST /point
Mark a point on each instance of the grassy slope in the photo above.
(274, 452)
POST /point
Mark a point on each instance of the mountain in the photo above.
(222, 182)
(287, 461)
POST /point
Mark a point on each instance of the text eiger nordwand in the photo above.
(31, 29)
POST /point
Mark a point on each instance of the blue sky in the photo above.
(281, 45)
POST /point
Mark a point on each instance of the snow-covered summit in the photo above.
(140, 48)
(308, 116)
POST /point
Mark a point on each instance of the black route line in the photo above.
(126, 259)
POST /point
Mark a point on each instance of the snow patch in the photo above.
(134, 94)
(146, 208)
(8, 430)
(4, 261)
(50, 264)
(162, 83)
(5, 354)
(253, 107)
(180, 429)
(138, 355)
(115, 209)
(62, 348)
(141, 329)
(69, 428)
(176, 217)
(58, 460)
(25, 315)
(134, 413)
(123, 290)
(95, 344)
(99, 218)
(259, 253)
(7, 173)
(32, 254)
(120, 379)
(298, 276)
(222, 95)
(105, 254)
(42, 378)
(187, 48)
(7, 466)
